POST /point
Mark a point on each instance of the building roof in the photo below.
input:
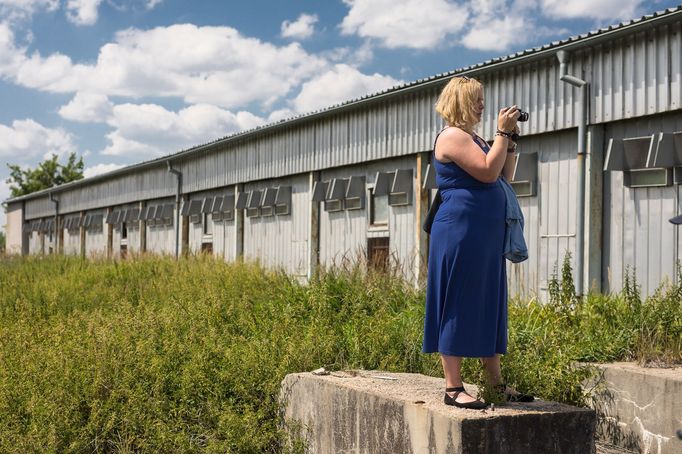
(574, 42)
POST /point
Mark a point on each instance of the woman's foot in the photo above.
(512, 395)
(459, 398)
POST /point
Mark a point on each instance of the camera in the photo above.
(523, 116)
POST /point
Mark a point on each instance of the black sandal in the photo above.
(452, 400)
(518, 397)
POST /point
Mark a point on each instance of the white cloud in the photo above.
(27, 139)
(198, 64)
(301, 28)
(416, 24)
(508, 31)
(339, 84)
(82, 12)
(152, 3)
(511, 30)
(14, 10)
(87, 108)
(591, 9)
(100, 169)
(151, 130)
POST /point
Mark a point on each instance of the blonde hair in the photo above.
(456, 102)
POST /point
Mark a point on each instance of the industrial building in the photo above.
(598, 174)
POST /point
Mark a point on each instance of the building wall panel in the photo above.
(343, 234)
(96, 237)
(636, 231)
(14, 229)
(281, 241)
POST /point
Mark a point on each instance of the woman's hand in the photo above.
(506, 120)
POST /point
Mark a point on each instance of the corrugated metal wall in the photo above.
(550, 216)
(196, 230)
(636, 229)
(161, 238)
(630, 77)
(35, 245)
(634, 76)
(96, 238)
(72, 241)
(343, 234)
(281, 240)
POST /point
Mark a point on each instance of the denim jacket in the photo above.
(515, 249)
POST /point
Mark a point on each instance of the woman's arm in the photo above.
(458, 146)
(509, 163)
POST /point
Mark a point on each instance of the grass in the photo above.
(154, 355)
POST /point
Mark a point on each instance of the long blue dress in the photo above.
(466, 293)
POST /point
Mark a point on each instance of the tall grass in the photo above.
(154, 355)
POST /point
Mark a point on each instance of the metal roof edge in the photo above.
(537, 53)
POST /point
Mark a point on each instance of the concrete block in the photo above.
(639, 409)
(379, 412)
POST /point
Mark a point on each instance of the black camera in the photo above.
(523, 116)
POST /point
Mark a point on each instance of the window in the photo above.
(228, 208)
(268, 203)
(254, 203)
(525, 175)
(283, 201)
(378, 209)
(207, 223)
(401, 189)
(355, 194)
(335, 195)
(377, 253)
(194, 211)
(645, 161)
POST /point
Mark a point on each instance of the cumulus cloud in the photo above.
(14, 10)
(150, 130)
(341, 83)
(197, 64)
(87, 108)
(591, 9)
(416, 24)
(26, 139)
(100, 169)
(301, 28)
(82, 12)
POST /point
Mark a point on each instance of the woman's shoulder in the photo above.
(454, 135)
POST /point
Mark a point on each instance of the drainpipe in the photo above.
(178, 193)
(56, 220)
(563, 57)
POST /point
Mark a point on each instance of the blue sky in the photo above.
(123, 81)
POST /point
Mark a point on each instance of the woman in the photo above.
(466, 296)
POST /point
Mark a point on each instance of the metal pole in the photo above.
(563, 56)
(178, 191)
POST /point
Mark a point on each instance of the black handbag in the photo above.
(431, 214)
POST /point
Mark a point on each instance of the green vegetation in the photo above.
(47, 174)
(2, 241)
(154, 355)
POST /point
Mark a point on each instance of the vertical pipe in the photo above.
(178, 192)
(56, 221)
(580, 218)
(563, 56)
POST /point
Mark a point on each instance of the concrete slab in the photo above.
(639, 408)
(380, 412)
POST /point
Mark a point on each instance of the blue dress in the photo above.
(466, 291)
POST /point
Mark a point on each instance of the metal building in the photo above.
(598, 176)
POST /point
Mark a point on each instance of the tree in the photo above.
(2, 241)
(49, 173)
